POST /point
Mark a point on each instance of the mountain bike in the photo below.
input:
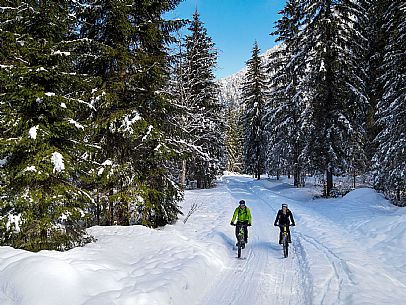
(240, 238)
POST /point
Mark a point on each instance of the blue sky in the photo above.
(234, 25)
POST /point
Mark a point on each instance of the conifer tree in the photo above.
(126, 47)
(335, 82)
(254, 97)
(286, 96)
(390, 158)
(42, 137)
(205, 118)
(234, 140)
(377, 38)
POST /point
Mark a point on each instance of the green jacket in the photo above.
(242, 215)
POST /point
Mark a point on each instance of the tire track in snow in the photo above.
(335, 248)
(340, 272)
(301, 264)
(264, 277)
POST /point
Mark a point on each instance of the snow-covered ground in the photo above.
(350, 250)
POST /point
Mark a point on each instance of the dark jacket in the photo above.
(282, 219)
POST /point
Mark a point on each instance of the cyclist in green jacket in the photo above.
(243, 216)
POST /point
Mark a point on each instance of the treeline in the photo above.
(105, 112)
(331, 100)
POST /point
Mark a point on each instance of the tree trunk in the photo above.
(111, 207)
(98, 210)
(258, 161)
(354, 181)
(183, 174)
(258, 170)
(329, 186)
(295, 177)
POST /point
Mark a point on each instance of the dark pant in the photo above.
(237, 229)
(280, 234)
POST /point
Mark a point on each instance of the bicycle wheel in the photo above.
(285, 246)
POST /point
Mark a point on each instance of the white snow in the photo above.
(77, 125)
(5, 66)
(128, 121)
(49, 93)
(107, 163)
(14, 222)
(30, 169)
(150, 128)
(61, 53)
(57, 161)
(347, 251)
(33, 132)
(63, 105)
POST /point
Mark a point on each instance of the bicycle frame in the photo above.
(241, 238)
(285, 242)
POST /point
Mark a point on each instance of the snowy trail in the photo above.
(327, 265)
(263, 276)
(345, 251)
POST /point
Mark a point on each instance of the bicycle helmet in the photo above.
(242, 202)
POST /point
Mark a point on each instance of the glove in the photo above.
(293, 225)
(231, 223)
(275, 224)
(249, 225)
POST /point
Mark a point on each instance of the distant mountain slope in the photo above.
(230, 86)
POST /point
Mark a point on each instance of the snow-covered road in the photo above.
(263, 276)
(350, 250)
(332, 262)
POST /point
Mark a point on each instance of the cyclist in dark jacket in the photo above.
(243, 216)
(284, 217)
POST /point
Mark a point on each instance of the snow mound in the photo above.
(365, 195)
(126, 266)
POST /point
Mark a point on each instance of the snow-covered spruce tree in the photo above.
(286, 97)
(126, 47)
(377, 39)
(234, 140)
(390, 158)
(254, 98)
(205, 114)
(41, 138)
(335, 82)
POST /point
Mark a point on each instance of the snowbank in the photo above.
(127, 265)
(347, 251)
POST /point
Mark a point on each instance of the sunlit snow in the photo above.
(346, 251)
(57, 161)
(33, 132)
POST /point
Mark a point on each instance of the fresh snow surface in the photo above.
(349, 250)
(57, 161)
(61, 53)
(33, 132)
(77, 125)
